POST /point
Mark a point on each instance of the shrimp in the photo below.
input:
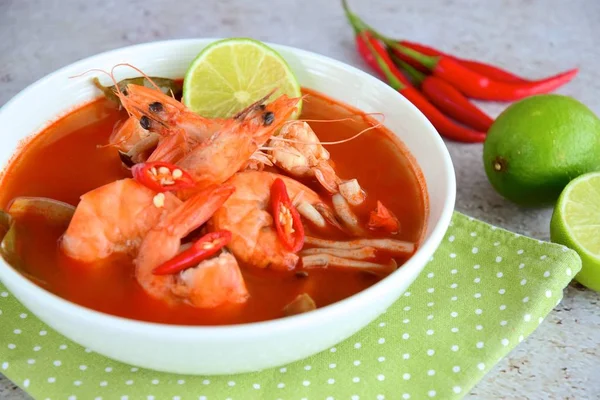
(254, 241)
(133, 141)
(157, 112)
(212, 282)
(246, 214)
(297, 150)
(230, 149)
(113, 219)
(160, 123)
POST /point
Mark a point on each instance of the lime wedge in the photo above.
(230, 74)
(576, 224)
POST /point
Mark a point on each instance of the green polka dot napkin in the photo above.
(483, 292)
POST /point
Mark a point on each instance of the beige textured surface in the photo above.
(561, 360)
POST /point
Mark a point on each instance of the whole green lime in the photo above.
(539, 144)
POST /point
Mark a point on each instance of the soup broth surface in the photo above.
(68, 159)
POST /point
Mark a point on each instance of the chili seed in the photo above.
(145, 122)
(177, 173)
(156, 107)
(159, 200)
(268, 118)
(163, 170)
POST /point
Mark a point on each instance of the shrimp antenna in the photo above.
(138, 70)
(111, 75)
(112, 78)
(337, 141)
(252, 106)
(319, 120)
(377, 125)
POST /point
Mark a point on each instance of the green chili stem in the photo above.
(359, 26)
(417, 76)
(428, 61)
(392, 80)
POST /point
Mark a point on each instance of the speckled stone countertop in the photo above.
(561, 360)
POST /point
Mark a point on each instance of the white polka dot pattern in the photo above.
(490, 285)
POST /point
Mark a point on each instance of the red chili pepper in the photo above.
(384, 219)
(372, 50)
(449, 100)
(202, 249)
(286, 218)
(491, 71)
(161, 176)
(478, 86)
(469, 82)
(488, 70)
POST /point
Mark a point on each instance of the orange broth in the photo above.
(65, 161)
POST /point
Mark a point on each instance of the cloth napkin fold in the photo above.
(483, 292)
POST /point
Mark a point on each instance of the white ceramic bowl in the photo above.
(238, 348)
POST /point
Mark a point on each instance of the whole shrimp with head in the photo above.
(211, 150)
(168, 271)
(237, 142)
(297, 150)
(156, 120)
(159, 120)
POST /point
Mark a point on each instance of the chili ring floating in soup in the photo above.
(135, 206)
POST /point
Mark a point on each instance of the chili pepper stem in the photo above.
(428, 61)
(392, 80)
(417, 76)
(357, 24)
(360, 26)
(362, 30)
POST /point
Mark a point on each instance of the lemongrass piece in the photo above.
(343, 211)
(392, 246)
(301, 304)
(363, 253)
(310, 213)
(333, 262)
(352, 192)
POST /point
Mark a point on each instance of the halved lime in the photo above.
(230, 74)
(576, 224)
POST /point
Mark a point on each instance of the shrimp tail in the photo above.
(196, 210)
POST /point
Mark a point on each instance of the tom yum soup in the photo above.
(136, 206)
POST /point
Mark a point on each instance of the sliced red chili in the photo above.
(202, 249)
(384, 219)
(286, 218)
(162, 176)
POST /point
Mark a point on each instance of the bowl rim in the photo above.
(251, 329)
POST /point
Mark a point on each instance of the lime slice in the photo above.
(230, 74)
(576, 224)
